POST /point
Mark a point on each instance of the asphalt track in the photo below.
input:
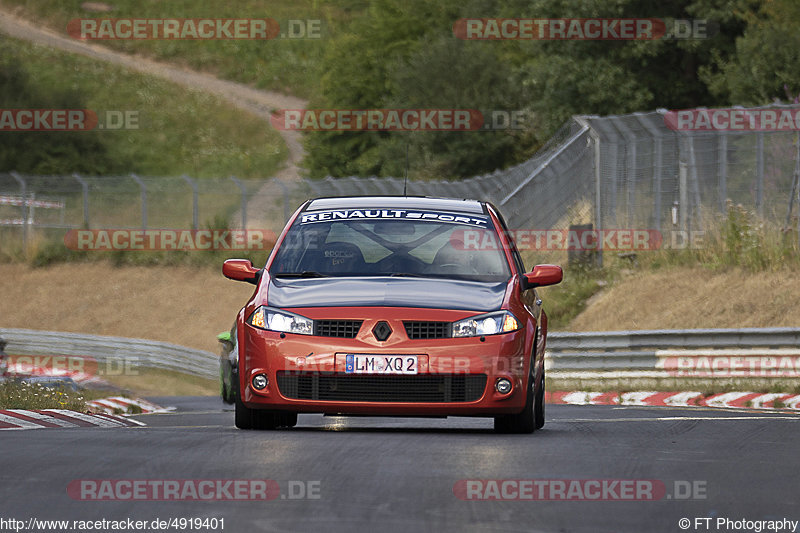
(395, 474)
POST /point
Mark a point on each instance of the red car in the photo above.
(398, 306)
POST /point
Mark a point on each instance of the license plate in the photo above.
(381, 364)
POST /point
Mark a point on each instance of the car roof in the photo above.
(398, 202)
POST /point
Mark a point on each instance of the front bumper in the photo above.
(456, 376)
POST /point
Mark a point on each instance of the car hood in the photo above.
(388, 292)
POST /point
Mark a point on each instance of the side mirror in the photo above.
(241, 270)
(541, 276)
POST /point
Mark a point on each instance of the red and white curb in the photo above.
(117, 404)
(60, 418)
(740, 400)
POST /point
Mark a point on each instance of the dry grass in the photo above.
(694, 297)
(182, 305)
(20, 395)
(152, 382)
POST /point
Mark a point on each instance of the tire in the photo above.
(245, 417)
(524, 422)
(538, 410)
(265, 419)
(289, 419)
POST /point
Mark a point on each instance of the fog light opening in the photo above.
(502, 385)
(260, 382)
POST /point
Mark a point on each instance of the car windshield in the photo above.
(435, 245)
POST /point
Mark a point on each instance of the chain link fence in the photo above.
(650, 175)
(627, 171)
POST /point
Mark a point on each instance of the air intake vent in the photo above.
(424, 388)
(428, 330)
(345, 329)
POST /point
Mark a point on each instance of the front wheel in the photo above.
(528, 420)
(538, 411)
(246, 418)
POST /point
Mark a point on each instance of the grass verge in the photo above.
(20, 395)
(153, 382)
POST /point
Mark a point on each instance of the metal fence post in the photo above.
(598, 213)
(795, 188)
(244, 199)
(285, 190)
(195, 202)
(722, 179)
(696, 201)
(143, 196)
(85, 194)
(614, 174)
(23, 187)
(630, 169)
(683, 194)
(658, 160)
(760, 174)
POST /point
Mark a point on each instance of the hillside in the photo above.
(694, 298)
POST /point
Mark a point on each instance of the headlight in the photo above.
(491, 324)
(275, 320)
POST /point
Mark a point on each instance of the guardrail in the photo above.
(706, 353)
(113, 352)
(746, 352)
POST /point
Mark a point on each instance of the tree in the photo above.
(46, 152)
(403, 53)
(766, 56)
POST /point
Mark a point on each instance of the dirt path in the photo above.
(255, 101)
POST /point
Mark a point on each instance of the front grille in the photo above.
(428, 330)
(346, 329)
(427, 388)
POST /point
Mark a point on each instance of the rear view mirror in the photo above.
(393, 228)
(241, 270)
(541, 276)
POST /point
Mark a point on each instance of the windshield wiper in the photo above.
(303, 274)
(406, 275)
